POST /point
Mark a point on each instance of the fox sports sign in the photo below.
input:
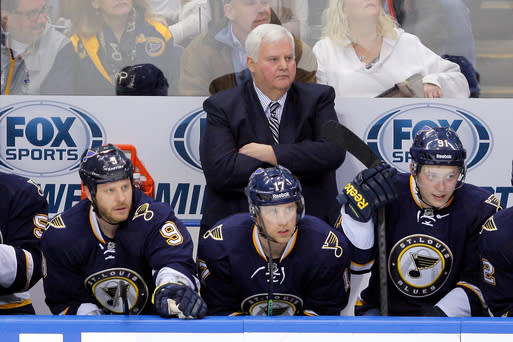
(45, 138)
(185, 138)
(392, 133)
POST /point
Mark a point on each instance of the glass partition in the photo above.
(78, 47)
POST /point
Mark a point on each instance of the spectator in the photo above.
(309, 261)
(216, 59)
(14, 77)
(293, 15)
(186, 18)
(432, 225)
(143, 80)
(47, 53)
(363, 53)
(495, 240)
(112, 250)
(111, 35)
(238, 138)
(23, 217)
(443, 26)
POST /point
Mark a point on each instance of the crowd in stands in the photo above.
(52, 47)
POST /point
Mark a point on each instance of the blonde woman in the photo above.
(112, 34)
(362, 53)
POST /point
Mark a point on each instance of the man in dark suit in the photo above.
(243, 122)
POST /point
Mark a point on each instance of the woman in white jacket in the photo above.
(362, 53)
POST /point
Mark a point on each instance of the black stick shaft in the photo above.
(350, 142)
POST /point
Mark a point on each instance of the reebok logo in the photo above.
(444, 156)
(357, 197)
(281, 196)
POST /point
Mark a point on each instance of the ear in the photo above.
(88, 193)
(411, 168)
(4, 16)
(258, 220)
(251, 64)
(228, 11)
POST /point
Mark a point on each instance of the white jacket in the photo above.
(339, 67)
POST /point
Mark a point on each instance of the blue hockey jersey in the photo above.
(432, 252)
(310, 278)
(86, 267)
(23, 217)
(496, 244)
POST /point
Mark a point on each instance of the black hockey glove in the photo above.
(370, 189)
(177, 299)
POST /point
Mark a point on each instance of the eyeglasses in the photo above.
(35, 13)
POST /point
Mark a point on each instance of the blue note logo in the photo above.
(185, 138)
(45, 138)
(392, 133)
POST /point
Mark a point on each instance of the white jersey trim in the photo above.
(455, 303)
(361, 234)
(88, 309)
(169, 275)
(8, 265)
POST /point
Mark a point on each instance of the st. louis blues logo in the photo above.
(154, 46)
(118, 290)
(284, 304)
(89, 154)
(392, 133)
(185, 138)
(419, 265)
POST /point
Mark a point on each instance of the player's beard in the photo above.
(117, 218)
(113, 219)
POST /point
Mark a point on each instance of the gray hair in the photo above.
(270, 33)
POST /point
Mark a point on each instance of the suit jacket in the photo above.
(235, 118)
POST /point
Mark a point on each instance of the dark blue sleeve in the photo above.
(495, 241)
(224, 167)
(217, 287)
(26, 211)
(328, 286)
(169, 244)
(63, 283)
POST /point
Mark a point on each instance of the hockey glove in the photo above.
(371, 189)
(177, 299)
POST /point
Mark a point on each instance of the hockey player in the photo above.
(274, 260)
(432, 230)
(495, 241)
(113, 250)
(23, 217)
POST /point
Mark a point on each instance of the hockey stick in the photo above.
(350, 142)
(270, 295)
(124, 297)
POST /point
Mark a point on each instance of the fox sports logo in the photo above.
(45, 138)
(392, 133)
(185, 138)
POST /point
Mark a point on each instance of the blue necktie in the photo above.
(274, 124)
